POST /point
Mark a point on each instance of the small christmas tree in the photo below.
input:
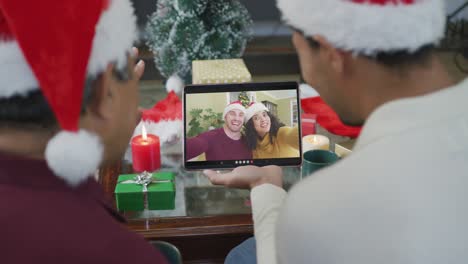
(181, 31)
(244, 99)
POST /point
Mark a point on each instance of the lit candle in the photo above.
(312, 142)
(146, 153)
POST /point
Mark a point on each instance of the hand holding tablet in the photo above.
(247, 177)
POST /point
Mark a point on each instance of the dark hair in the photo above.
(33, 111)
(395, 59)
(312, 42)
(402, 58)
(252, 136)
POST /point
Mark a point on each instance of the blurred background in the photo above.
(270, 56)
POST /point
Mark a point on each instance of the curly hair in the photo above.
(251, 135)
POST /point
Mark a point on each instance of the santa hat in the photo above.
(253, 109)
(164, 119)
(52, 45)
(369, 26)
(236, 105)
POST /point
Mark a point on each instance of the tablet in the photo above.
(230, 125)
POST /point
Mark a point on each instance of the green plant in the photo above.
(203, 120)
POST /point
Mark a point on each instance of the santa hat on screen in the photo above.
(236, 105)
(254, 108)
(369, 26)
(52, 45)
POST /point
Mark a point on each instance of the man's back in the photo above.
(399, 198)
(45, 221)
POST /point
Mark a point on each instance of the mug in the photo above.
(314, 160)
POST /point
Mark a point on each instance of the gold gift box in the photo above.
(220, 71)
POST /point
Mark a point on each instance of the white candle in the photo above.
(311, 142)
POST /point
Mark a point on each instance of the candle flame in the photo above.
(143, 132)
(314, 139)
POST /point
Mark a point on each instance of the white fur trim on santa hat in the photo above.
(253, 109)
(16, 77)
(166, 130)
(175, 83)
(307, 91)
(74, 156)
(368, 28)
(115, 34)
(233, 106)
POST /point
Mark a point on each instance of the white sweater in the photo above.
(400, 197)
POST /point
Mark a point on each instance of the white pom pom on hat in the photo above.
(74, 156)
(369, 26)
(175, 83)
(307, 91)
(58, 65)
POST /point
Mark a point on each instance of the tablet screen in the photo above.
(232, 125)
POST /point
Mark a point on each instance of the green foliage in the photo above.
(202, 120)
(191, 7)
(181, 31)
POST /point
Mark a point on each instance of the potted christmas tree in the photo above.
(181, 31)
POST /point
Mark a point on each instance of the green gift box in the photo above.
(160, 191)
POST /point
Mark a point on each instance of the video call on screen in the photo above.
(242, 128)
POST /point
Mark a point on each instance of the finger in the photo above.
(274, 168)
(135, 52)
(139, 116)
(217, 178)
(139, 69)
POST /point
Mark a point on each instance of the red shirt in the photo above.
(217, 146)
(43, 220)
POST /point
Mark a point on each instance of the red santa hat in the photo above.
(52, 45)
(164, 119)
(369, 26)
(254, 108)
(236, 105)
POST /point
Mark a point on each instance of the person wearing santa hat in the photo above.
(68, 104)
(267, 137)
(400, 196)
(225, 143)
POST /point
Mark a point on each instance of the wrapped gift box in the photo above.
(220, 71)
(129, 195)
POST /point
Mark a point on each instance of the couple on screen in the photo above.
(264, 136)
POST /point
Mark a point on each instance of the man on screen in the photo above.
(225, 143)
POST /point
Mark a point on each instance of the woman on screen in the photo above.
(267, 137)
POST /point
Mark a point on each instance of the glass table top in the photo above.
(195, 195)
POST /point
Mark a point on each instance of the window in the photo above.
(294, 113)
